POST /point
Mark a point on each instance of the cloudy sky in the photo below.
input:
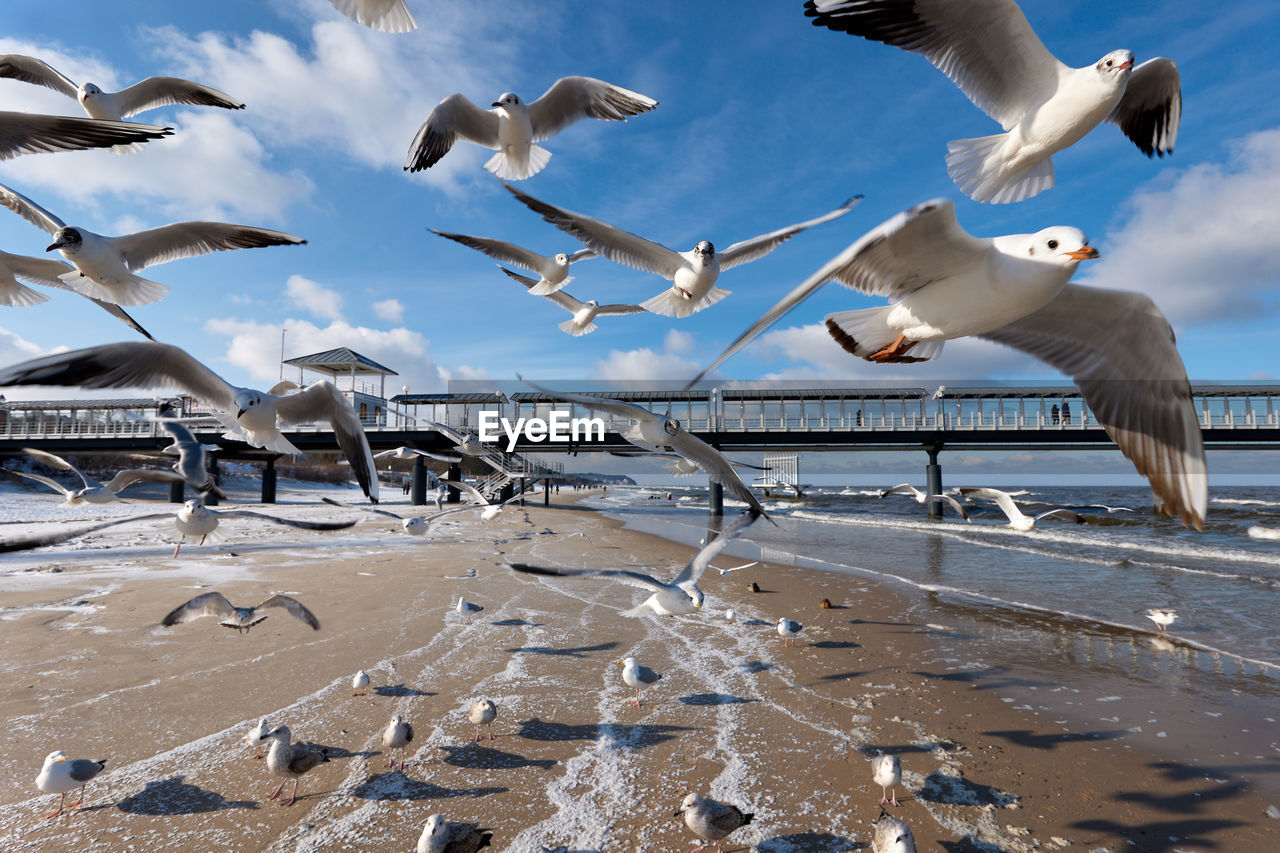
(764, 121)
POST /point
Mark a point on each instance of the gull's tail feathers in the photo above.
(979, 170)
(544, 287)
(864, 332)
(569, 328)
(136, 291)
(671, 303)
(511, 169)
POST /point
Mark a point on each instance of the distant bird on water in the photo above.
(240, 618)
(1162, 616)
(61, 774)
(512, 127)
(1017, 520)
(989, 50)
(710, 820)
(921, 497)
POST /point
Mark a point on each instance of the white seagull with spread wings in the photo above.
(693, 274)
(682, 595)
(92, 492)
(1017, 519)
(989, 50)
(251, 416)
(512, 126)
(583, 321)
(105, 267)
(553, 272)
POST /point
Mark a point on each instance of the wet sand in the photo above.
(785, 733)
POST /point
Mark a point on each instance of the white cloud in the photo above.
(677, 342)
(645, 363)
(255, 347)
(1204, 246)
(390, 310)
(314, 298)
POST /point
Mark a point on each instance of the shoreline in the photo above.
(786, 732)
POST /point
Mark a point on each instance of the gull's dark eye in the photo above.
(1108, 63)
(1053, 244)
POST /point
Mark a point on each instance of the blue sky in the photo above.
(764, 121)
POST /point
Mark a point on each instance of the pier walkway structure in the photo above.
(756, 417)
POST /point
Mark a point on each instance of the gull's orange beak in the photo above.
(1084, 253)
(1125, 65)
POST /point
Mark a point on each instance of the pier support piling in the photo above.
(269, 481)
(715, 495)
(546, 491)
(418, 482)
(211, 499)
(933, 480)
(177, 492)
(455, 474)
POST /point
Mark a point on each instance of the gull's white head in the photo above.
(892, 836)
(1060, 245)
(66, 238)
(695, 594)
(56, 755)
(561, 259)
(195, 506)
(89, 90)
(693, 801)
(1116, 65)
(246, 400)
(671, 426)
(508, 99)
(278, 733)
(629, 662)
(434, 826)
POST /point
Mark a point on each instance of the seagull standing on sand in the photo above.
(467, 609)
(192, 457)
(115, 106)
(106, 267)
(443, 836)
(360, 683)
(682, 595)
(637, 676)
(942, 283)
(512, 127)
(654, 433)
(1017, 520)
(891, 835)
(886, 771)
(788, 630)
(397, 735)
(483, 713)
(256, 735)
(24, 133)
(388, 16)
(240, 618)
(93, 493)
(290, 760)
(61, 774)
(693, 274)
(1162, 616)
(583, 321)
(710, 820)
(921, 497)
(989, 50)
(249, 415)
(553, 272)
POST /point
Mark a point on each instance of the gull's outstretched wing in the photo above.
(453, 117)
(55, 461)
(321, 401)
(572, 98)
(1002, 500)
(295, 608)
(626, 576)
(1151, 109)
(24, 133)
(30, 211)
(134, 364)
(374, 510)
(621, 247)
(499, 250)
(559, 297)
(208, 604)
(288, 522)
(191, 239)
(694, 569)
(986, 47)
(26, 543)
(28, 69)
(162, 91)
(902, 488)
(713, 463)
(1062, 515)
(387, 16)
(129, 476)
(1119, 350)
(51, 483)
(472, 491)
(748, 250)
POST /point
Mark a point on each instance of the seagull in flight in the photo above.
(692, 274)
(47, 271)
(387, 16)
(512, 126)
(418, 525)
(1017, 520)
(489, 511)
(249, 415)
(115, 106)
(921, 497)
(682, 595)
(942, 283)
(92, 492)
(24, 133)
(409, 454)
(583, 321)
(553, 272)
(191, 458)
(655, 433)
(106, 267)
(463, 442)
(989, 50)
(240, 618)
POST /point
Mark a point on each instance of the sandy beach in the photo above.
(785, 733)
